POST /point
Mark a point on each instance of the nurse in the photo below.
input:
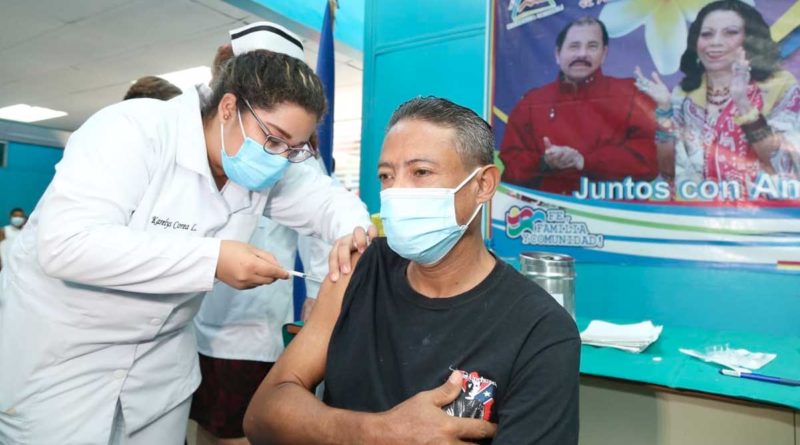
(149, 207)
(239, 331)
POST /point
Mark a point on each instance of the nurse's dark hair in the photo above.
(761, 51)
(266, 79)
(474, 139)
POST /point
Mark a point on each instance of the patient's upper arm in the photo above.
(304, 360)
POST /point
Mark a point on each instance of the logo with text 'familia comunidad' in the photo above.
(549, 227)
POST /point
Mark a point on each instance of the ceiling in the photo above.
(81, 55)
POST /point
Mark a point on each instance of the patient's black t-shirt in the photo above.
(391, 342)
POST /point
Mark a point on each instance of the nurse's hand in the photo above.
(339, 258)
(242, 266)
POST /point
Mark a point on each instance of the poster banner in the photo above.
(647, 131)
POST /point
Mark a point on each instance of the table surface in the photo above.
(662, 364)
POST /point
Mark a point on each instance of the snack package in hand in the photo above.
(476, 398)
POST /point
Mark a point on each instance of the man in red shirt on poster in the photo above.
(583, 124)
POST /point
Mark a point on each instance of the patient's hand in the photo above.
(421, 420)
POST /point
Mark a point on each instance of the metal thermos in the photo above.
(554, 272)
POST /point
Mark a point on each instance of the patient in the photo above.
(424, 301)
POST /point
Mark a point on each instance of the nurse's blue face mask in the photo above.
(421, 224)
(256, 166)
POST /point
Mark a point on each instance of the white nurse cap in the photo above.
(269, 36)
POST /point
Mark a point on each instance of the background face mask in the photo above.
(252, 167)
(420, 223)
(17, 221)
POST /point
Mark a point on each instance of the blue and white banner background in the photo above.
(651, 34)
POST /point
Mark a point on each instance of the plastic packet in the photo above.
(733, 358)
(476, 398)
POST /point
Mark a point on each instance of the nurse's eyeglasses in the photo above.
(275, 145)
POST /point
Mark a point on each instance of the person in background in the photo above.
(427, 299)
(736, 113)
(239, 331)
(152, 87)
(152, 202)
(17, 219)
(583, 124)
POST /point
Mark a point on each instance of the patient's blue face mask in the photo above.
(252, 167)
(421, 224)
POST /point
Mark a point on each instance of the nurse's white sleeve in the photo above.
(310, 202)
(83, 234)
(314, 254)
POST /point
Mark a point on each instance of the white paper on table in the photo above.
(634, 337)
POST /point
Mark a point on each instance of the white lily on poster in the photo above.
(666, 26)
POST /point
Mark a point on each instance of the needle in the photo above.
(306, 276)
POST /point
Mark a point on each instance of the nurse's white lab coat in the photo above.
(103, 282)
